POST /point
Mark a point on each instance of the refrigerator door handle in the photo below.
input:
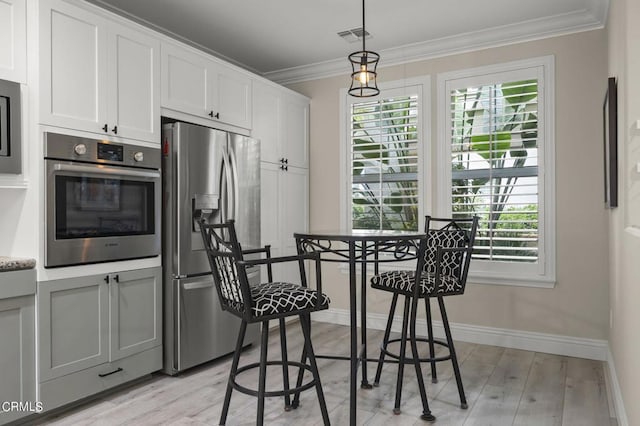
(226, 212)
(196, 285)
(235, 186)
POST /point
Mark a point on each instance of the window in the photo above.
(497, 163)
(383, 146)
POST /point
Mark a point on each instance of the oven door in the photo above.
(97, 213)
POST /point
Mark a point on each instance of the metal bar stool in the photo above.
(261, 303)
(442, 268)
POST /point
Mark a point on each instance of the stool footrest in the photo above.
(271, 393)
(418, 339)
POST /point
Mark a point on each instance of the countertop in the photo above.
(16, 263)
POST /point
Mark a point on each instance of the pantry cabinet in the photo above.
(281, 123)
(197, 84)
(13, 40)
(96, 332)
(98, 75)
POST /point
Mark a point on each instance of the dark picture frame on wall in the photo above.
(610, 120)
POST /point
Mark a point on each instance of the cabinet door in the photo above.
(267, 122)
(134, 84)
(73, 325)
(296, 131)
(269, 210)
(17, 353)
(73, 65)
(13, 41)
(232, 97)
(186, 81)
(136, 311)
(294, 214)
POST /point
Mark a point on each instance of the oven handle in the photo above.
(102, 170)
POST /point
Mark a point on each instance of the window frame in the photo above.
(420, 86)
(543, 272)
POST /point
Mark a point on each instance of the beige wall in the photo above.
(578, 305)
(624, 63)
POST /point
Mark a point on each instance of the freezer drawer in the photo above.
(204, 331)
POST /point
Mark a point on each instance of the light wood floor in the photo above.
(503, 387)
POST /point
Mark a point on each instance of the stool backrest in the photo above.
(223, 252)
(456, 238)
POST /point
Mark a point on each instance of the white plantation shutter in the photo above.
(494, 161)
(496, 155)
(383, 139)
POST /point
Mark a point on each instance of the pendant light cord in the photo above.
(364, 31)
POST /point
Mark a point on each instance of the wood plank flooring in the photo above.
(503, 387)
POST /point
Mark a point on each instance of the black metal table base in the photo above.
(358, 248)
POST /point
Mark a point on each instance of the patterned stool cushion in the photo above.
(446, 238)
(279, 297)
(403, 282)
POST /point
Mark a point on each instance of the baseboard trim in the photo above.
(616, 392)
(516, 339)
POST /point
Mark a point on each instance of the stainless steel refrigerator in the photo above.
(214, 174)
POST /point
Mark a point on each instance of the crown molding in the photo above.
(537, 29)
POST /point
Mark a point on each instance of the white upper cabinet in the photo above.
(13, 40)
(97, 75)
(134, 84)
(281, 122)
(193, 83)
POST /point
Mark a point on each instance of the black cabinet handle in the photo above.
(115, 129)
(286, 160)
(216, 115)
(283, 167)
(105, 128)
(110, 373)
(116, 278)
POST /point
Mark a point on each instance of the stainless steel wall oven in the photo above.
(102, 201)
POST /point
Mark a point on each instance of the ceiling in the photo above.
(293, 40)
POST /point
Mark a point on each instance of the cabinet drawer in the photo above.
(73, 387)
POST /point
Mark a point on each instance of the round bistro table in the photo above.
(361, 247)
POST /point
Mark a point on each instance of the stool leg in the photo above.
(432, 350)
(385, 339)
(262, 378)
(403, 348)
(452, 352)
(303, 360)
(426, 412)
(232, 373)
(305, 322)
(285, 364)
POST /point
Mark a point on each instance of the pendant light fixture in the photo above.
(363, 67)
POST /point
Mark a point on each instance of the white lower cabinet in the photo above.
(284, 210)
(97, 332)
(17, 345)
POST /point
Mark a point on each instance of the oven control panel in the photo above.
(74, 148)
(110, 152)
